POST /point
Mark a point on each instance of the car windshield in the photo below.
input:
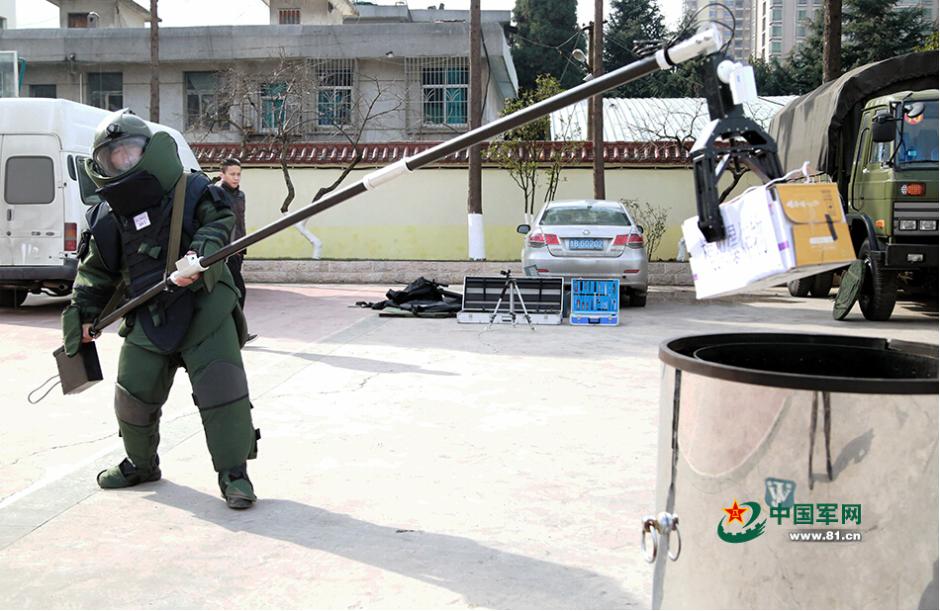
(918, 143)
(584, 215)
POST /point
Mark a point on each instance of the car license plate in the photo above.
(580, 244)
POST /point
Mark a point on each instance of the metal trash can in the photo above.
(796, 471)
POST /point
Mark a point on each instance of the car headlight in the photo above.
(928, 225)
(907, 225)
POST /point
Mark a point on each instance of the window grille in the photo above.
(288, 16)
(202, 101)
(334, 83)
(438, 91)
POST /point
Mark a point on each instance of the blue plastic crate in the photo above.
(595, 302)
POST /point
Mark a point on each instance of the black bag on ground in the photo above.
(421, 297)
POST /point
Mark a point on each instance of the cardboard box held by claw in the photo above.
(773, 234)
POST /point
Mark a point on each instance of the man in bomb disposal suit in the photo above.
(198, 325)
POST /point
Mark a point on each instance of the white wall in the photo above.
(423, 216)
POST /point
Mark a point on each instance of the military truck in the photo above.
(873, 131)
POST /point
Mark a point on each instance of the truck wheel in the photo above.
(800, 287)
(822, 284)
(12, 298)
(879, 288)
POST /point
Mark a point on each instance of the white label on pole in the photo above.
(477, 239)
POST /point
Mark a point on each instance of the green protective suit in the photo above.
(210, 352)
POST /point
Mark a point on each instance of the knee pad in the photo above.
(221, 393)
(219, 384)
(131, 410)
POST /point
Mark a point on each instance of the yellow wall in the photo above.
(424, 215)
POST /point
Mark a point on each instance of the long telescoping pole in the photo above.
(702, 43)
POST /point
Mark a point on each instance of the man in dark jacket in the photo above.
(230, 179)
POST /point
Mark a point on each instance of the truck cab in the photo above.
(894, 180)
(892, 195)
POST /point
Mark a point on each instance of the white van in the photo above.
(44, 192)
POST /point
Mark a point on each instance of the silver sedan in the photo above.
(588, 239)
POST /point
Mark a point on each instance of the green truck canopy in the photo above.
(821, 126)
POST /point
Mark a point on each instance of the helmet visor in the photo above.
(115, 157)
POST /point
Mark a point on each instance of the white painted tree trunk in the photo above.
(476, 237)
(316, 242)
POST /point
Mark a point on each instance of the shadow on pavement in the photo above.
(484, 576)
(355, 363)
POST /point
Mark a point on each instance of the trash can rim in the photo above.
(671, 353)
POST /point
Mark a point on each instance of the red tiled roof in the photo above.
(341, 154)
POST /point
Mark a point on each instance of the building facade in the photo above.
(741, 46)
(321, 71)
(780, 25)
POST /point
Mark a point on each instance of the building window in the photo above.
(30, 180)
(800, 32)
(444, 93)
(288, 16)
(3, 23)
(202, 103)
(273, 106)
(78, 20)
(776, 47)
(42, 91)
(334, 95)
(106, 90)
(777, 15)
(776, 31)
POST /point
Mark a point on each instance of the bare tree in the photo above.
(273, 108)
(527, 155)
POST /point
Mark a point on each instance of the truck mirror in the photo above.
(882, 127)
(523, 229)
(914, 110)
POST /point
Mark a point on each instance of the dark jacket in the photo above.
(236, 199)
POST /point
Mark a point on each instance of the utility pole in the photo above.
(597, 102)
(832, 40)
(476, 241)
(154, 63)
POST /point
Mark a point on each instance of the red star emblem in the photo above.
(735, 512)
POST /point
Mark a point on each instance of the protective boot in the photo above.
(236, 488)
(126, 474)
(139, 425)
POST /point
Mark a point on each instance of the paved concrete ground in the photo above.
(404, 462)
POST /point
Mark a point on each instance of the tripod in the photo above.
(514, 293)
